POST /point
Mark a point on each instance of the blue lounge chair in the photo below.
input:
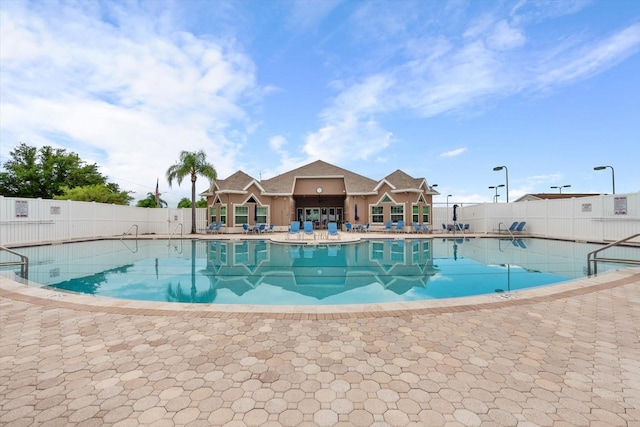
(245, 228)
(294, 228)
(513, 226)
(520, 227)
(366, 228)
(215, 229)
(332, 230)
(348, 227)
(270, 229)
(424, 228)
(399, 227)
(416, 227)
(261, 228)
(308, 229)
(388, 225)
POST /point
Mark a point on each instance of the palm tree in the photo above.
(191, 164)
(150, 202)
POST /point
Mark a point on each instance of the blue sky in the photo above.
(444, 90)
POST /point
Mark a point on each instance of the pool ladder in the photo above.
(593, 259)
(23, 263)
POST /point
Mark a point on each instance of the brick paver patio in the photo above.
(566, 358)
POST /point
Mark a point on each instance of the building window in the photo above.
(425, 214)
(223, 214)
(212, 214)
(241, 215)
(397, 213)
(415, 214)
(376, 214)
(262, 215)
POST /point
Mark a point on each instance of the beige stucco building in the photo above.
(322, 193)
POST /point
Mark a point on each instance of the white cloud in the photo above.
(454, 153)
(505, 37)
(134, 89)
(572, 65)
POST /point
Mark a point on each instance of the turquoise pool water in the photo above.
(263, 272)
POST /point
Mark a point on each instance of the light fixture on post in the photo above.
(506, 171)
(495, 198)
(561, 187)
(613, 175)
(431, 187)
(448, 195)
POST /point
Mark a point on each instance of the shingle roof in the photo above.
(354, 183)
(543, 196)
(400, 180)
(284, 183)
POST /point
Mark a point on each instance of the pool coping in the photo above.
(11, 289)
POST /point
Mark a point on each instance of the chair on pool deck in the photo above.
(245, 228)
(348, 227)
(520, 228)
(399, 227)
(294, 229)
(425, 228)
(332, 230)
(308, 229)
(416, 227)
(261, 228)
(214, 228)
(388, 226)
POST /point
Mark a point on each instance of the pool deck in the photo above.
(563, 355)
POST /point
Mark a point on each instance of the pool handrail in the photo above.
(174, 231)
(127, 232)
(23, 263)
(592, 258)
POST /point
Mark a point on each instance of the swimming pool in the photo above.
(268, 273)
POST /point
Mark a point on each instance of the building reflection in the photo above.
(319, 271)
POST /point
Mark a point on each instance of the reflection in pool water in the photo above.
(263, 272)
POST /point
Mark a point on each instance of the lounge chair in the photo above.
(444, 227)
(388, 226)
(261, 228)
(366, 228)
(520, 228)
(416, 227)
(424, 227)
(215, 229)
(466, 227)
(332, 230)
(245, 228)
(294, 228)
(270, 229)
(348, 227)
(399, 227)
(308, 229)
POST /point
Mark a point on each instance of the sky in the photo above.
(443, 90)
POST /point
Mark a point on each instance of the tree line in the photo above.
(55, 173)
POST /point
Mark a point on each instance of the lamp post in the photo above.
(561, 187)
(448, 195)
(433, 186)
(613, 176)
(495, 198)
(506, 171)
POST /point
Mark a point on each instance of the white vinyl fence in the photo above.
(593, 219)
(25, 221)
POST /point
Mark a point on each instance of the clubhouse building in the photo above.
(319, 192)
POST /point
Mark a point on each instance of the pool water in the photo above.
(268, 273)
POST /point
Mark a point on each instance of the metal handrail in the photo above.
(174, 231)
(591, 256)
(127, 232)
(23, 263)
(505, 229)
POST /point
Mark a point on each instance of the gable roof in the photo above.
(401, 181)
(552, 196)
(284, 183)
